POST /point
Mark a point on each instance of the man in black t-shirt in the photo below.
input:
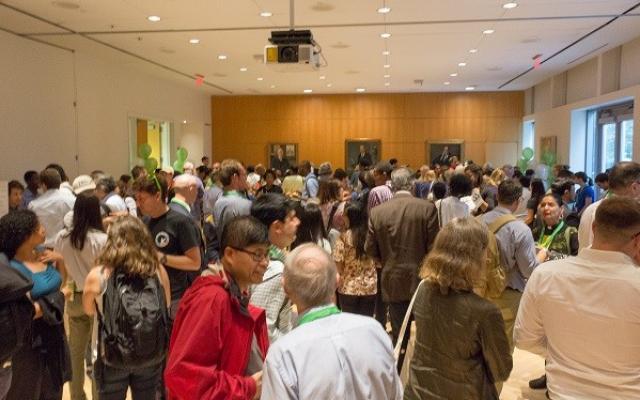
(177, 242)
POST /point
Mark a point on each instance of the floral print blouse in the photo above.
(358, 275)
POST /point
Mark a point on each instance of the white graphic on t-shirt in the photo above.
(162, 239)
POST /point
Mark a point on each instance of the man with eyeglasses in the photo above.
(278, 214)
(583, 313)
(175, 235)
(219, 340)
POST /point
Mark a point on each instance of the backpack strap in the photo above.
(496, 225)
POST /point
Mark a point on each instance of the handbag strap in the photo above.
(405, 323)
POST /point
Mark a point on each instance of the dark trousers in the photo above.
(5, 381)
(397, 311)
(363, 305)
(380, 307)
(113, 382)
(31, 379)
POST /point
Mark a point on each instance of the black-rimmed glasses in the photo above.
(257, 257)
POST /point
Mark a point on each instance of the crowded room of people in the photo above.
(319, 200)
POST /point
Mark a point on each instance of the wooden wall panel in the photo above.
(243, 125)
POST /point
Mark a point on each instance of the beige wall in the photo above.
(611, 77)
(242, 126)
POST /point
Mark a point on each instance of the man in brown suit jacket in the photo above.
(401, 233)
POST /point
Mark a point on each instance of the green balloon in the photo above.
(527, 153)
(150, 164)
(144, 151)
(182, 154)
(549, 158)
(178, 166)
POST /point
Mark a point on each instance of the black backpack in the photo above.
(133, 330)
(16, 311)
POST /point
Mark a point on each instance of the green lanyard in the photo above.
(232, 193)
(318, 314)
(182, 203)
(545, 241)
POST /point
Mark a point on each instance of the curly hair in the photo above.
(457, 257)
(15, 229)
(130, 248)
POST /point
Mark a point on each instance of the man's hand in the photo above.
(258, 378)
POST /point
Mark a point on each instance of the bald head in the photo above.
(186, 187)
(310, 276)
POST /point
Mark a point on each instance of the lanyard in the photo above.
(318, 314)
(182, 203)
(545, 241)
(233, 193)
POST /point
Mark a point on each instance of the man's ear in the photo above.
(277, 226)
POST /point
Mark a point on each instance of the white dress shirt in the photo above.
(341, 357)
(583, 315)
(51, 207)
(585, 232)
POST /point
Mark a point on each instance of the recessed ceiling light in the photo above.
(243, 69)
(322, 77)
(387, 84)
(510, 5)
(488, 31)
(447, 83)
(260, 78)
(308, 91)
(462, 64)
(387, 66)
(386, 53)
(473, 51)
(470, 88)
(454, 74)
(184, 122)
(387, 76)
(385, 35)
(222, 56)
(194, 41)
(272, 86)
(384, 10)
(265, 14)
(153, 18)
(329, 84)
(360, 90)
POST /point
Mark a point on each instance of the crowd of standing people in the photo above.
(241, 282)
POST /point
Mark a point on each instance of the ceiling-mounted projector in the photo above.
(292, 47)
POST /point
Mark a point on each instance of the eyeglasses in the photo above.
(257, 257)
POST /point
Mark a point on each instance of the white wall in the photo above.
(39, 124)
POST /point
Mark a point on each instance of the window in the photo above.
(529, 135)
(613, 131)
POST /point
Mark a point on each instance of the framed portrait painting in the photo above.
(442, 151)
(368, 151)
(282, 156)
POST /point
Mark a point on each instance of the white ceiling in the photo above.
(429, 39)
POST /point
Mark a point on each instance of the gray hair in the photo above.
(310, 274)
(402, 179)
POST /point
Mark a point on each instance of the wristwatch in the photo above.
(163, 259)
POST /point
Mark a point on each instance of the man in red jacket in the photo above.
(219, 340)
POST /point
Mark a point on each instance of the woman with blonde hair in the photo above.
(489, 189)
(461, 349)
(129, 292)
